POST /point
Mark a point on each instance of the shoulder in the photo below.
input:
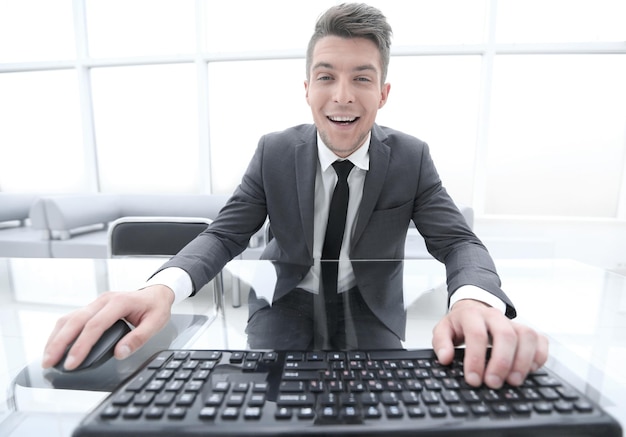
(398, 145)
(393, 137)
(295, 134)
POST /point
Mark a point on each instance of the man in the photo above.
(391, 180)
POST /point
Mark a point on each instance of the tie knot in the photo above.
(342, 168)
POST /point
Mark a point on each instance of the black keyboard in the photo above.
(369, 393)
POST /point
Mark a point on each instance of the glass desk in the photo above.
(582, 309)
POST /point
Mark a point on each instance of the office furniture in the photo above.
(160, 236)
(75, 225)
(17, 236)
(153, 236)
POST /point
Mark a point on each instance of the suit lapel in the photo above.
(374, 180)
(306, 167)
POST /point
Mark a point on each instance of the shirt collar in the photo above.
(360, 157)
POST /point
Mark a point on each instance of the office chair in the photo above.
(161, 237)
(156, 236)
(153, 236)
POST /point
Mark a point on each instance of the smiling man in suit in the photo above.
(389, 180)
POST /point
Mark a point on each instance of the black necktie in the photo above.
(332, 242)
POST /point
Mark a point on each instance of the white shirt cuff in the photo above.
(477, 293)
(176, 279)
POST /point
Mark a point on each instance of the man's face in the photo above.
(344, 91)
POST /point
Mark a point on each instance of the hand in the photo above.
(147, 309)
(516, 349)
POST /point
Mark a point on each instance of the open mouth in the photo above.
(343, 120)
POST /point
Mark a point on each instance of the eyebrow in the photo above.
(364, 67)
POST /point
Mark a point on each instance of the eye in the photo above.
(324, 77)
(363, 79)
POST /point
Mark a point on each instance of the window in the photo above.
(147, 128)
(127, 28)
(36, 30)
(436, 98)
(557, 136)
(247, 100)
(560, 21)
(40, 135)
(522, 102)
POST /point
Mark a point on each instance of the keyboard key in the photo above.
(295, 400)
(583, 406)
(259, 387)
(283, 413)
(110, 412)
(410, 398)
(256, 400)
(369, 398)
(522, 408)
(252, 413)
(236, 357)
(159, 360)
(563, 406)
(438, 411)
(480, 409)
(235, 400)
(164, 399)
(143, 399)
(123, 398)
(306, 413)
(329, 412)
(132, 412)
(221, 386)
(292, 386)
(155, 412)
(372, 412)
(208, 413)
(349, 412)
(230, 413)
(140, 380)
(394, 412)
(458, 410)
(543, 407)
(206, 355)
(214, 399)
(414, 411)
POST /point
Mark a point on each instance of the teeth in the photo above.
(342, 119)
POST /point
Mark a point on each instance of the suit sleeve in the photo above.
(228, 235)
(449, 238)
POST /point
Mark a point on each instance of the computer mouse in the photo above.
(102, 350)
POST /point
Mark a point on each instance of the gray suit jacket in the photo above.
(401, 185)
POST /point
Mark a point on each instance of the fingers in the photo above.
(504, 349)
(515, 349)
(79, 331)
(443, 344)
(476, 343)
(147, 309)
(66, 331)
(143, 331)
(513, 365)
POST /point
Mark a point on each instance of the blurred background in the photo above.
(523, 103)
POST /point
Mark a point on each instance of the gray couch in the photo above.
(18, 238)
(75, 225)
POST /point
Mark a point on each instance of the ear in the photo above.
(306, 90)
(384, 94)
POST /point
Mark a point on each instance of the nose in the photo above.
(344, 92)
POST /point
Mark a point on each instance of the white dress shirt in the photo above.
(326, 178)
